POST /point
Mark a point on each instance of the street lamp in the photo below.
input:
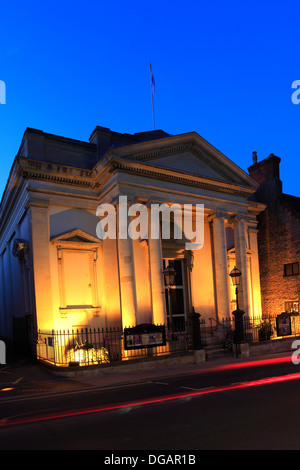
(169, 274)
(235, 275)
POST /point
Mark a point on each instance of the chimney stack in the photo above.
(254, 158)
(266, 173)
(266, 169)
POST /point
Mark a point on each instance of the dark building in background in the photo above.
(278, 239)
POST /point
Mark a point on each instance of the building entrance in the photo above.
(176, 301)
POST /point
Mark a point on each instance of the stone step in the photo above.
(216, 350)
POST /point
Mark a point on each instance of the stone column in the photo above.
(220, 262)
(126, 269)
(159, 316)
(256, 294)
(241, 261)
(40, 234)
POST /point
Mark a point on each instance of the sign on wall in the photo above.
(144, 336)
(283, 325)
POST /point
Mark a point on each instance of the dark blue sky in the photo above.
(222, 69)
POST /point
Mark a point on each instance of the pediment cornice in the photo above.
(57, 173)
(191, 142)
(139, 159)
(177, 177)
(74, 238)
(188, 147)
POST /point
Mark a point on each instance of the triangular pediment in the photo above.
(188, 154)
(75, 236)
(189, 163)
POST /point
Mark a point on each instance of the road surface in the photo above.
(245, 408)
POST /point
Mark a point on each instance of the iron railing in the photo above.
(255, 329)
(106, 346)
(101, 346)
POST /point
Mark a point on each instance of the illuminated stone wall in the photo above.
(73, 279)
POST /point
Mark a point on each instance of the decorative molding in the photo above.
(231, 252)
(58, 179)
(85, 243)
(219, 215)
(189, 256)
(76, 237)
(117, 166)
(239, 218)
(90, 308)
(213, 164)
(20, 248)
(210, 158)
(56, 173)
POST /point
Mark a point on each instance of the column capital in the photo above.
(235, 218)
(218, 215)
(253, 230)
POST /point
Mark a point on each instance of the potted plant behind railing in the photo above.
(265, 330)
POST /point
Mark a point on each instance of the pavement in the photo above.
(23, 376)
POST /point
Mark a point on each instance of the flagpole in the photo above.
(151, 83)
(153, 112)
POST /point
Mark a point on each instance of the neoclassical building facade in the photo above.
(56, 273)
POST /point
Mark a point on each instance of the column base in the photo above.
(238, 336)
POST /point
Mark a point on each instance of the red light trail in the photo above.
(118, 406)
(239, 365)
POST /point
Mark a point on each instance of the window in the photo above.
(229, 238)
(77, 254)
(291, 269)
(78, 278)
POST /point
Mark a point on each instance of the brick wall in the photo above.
(266, 169)
(279, 244)
(278, 237)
